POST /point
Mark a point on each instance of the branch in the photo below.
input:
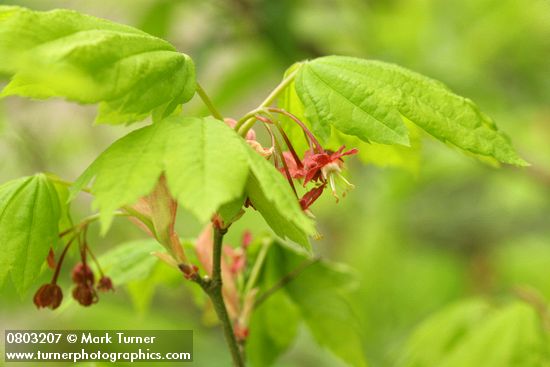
(213, 287)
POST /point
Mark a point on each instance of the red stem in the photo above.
(58, 268)
(319, 148)
(280, 153)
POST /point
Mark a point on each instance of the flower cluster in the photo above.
(319, 166)
(322, 168)
(85, 291)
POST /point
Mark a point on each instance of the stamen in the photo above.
(348, 184)
(333, 187)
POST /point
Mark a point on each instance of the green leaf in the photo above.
(441, 333)
(62, 53)
(29, 216)
(130, 261)
(205, 163)
(333, 96)
(207, 167)
(273, 328)
(143, 291)
(272, 196)
(321, 293)
(369, 99)
(274, 323)
(65, 220)
(473, 334)
(512, 336)
(133, 266)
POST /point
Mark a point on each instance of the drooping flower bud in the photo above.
(82, 274)
(105, 284)
(49, 295)
(85, 294)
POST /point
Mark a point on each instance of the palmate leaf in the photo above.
(62, 53)
(29, 216)
(383, 155)
(473, 333)
(274, 323)
(319, 296)
(207, 167)
(370, 100)
(133, 266)
(204, 161)
(130, 261)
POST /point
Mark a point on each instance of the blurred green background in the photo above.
(422, 232)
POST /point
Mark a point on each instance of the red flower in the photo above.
(322, 167)
(295, 167)
(82, 274)
(105, 284)
(48, 295)
(85, 294)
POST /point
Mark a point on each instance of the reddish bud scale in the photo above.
(247, 239)
(241, 332)
(188, 270)
(51, 259)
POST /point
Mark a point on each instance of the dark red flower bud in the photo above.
(105, 284)
(85, 294)
(82, 274)
(48, 295)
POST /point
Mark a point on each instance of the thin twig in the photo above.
(208, 102)
(246, 123)
(258, 264)
(285, 280)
